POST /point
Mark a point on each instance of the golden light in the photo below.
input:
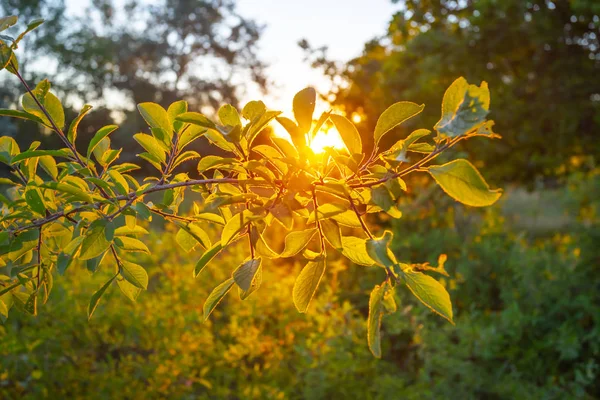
(356, 118)
(326, 137)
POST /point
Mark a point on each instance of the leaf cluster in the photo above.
(64, 206)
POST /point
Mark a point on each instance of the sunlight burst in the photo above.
(326, 137)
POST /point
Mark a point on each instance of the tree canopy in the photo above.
(541, 58)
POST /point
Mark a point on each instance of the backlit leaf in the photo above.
(134, 274)
(94, 243)
(461, 181)
(296, 241)
(216, 296)
(395, 115)
(348, 132)
(430, 292)
(244, 274)
(304, 106)
(307, 283)
(208, 255)
(374, 320)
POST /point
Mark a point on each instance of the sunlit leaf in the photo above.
(379, 250)
(395, 115)
(295, 242)
(216, 296)
(156, 117)
(207, 257)
(134, 274)
(461, 181)
(348, 132)
(304, 107)
(355, 249)
(244, 274)
(374, 320)
(95, 242)
(464, 108)
(307, 283)
(430, 292)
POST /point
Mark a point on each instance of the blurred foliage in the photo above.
(541, 59)
(203, 52)
(526, 309)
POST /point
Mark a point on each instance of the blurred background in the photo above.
(524, 273)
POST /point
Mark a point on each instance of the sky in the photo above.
(342, 25)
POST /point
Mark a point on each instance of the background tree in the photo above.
(203, 52)
(541, 58)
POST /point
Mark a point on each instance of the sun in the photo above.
(326, 137)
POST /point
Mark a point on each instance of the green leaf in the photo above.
(216, 296)
(101, 134)
(97, 296)
(331, 231)
(94, 243)
(156, 117)
(48, 100)
(296, 241)
(253, 110)
(190, 235)
(464, 108)
(381, 196)
(198, 119)
(304, 107)
(374, 320)
(208, 255)
(307, 283)
(20, 114)
(7, 22)
(31, 26)
(379, 250)
(39, 153)
(298, 137)
(8, 149)
(6, 55)
(134, 274)
(209, 162)
(130, 291)
(245, 273)
(119, 181)
(255, 284)
(355, 249)
(228, 115)
(175, 109)
(234, 226)
(49, 165)
(348, 132)
(151, 145)
(69, 189)
(35, 200)
(461, 181)
(131, 244)
(395, 115)
(430, 292)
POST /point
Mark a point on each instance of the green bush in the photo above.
(527, 327)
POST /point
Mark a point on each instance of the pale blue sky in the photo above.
(344, 26)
